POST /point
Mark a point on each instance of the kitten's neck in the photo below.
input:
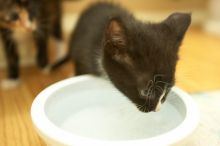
(101, 69)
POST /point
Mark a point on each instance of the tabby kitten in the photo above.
(40, 17)
(138, 58)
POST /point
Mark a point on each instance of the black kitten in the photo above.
(139, 58)
(41, 17)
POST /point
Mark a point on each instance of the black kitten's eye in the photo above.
(14, 16)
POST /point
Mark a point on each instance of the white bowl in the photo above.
(86, 110)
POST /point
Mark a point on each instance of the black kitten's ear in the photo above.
(115, 37)
(179, 22)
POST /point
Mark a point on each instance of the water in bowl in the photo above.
(121, 122)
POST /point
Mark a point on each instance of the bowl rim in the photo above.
(47, 129)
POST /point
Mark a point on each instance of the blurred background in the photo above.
(198, 66)
(198, 69)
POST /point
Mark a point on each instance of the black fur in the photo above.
(11, 53)
(46, 13)
(139, 58)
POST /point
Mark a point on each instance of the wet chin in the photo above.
(146, 109)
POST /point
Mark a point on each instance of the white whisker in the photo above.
(158, 87)
(162, 82)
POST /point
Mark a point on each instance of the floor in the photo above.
(16, 128)
(198, 67)
(198, 70)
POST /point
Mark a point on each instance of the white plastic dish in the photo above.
(86, 110)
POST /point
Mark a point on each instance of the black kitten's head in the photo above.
(18, 14)
(140, 59)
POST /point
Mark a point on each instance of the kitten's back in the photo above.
(86, 40)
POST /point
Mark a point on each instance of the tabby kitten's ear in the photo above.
(116, 39)
(179, 23)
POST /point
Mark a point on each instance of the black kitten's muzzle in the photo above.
(151, 98)
(147, 105)
(151, 103)
(147, 109)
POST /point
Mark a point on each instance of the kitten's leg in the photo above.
(57, 29)
(9, 83)
(57, 33)
(80, 68)
(41, 40)
(12, 59)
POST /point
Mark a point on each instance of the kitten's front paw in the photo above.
(46, 70)
(42, 63)
(7, 84)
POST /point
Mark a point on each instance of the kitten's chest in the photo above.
(22, 37)
(25, 46)
(100, 67)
